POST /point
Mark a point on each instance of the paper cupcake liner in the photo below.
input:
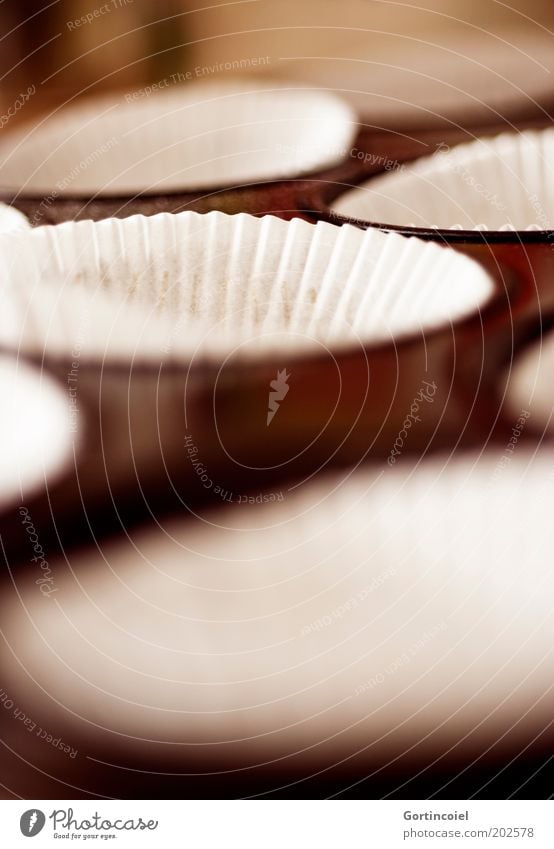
(412, 601)
(180, 139)
(503, 183)
(34, 429)
(190, 285)
(530, 384)
(11, 219)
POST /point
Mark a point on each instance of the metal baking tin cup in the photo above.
(184, 138)
(492, 184)
(191, 285)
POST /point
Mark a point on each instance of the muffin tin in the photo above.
(143, 420)
(353, 401)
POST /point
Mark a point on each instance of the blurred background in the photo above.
(398, 61)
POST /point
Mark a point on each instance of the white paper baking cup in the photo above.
(35, 438)
(414, 601)
(530, 384)
(501, 183)
(11, 219)
(188, 285)
(179, 139)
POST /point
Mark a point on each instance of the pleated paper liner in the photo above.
(35, 441)
(184, 138)
(530, 384)
(499, 184)
(406, 607)
(250, 336)
(11, 219)
(193, 286)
